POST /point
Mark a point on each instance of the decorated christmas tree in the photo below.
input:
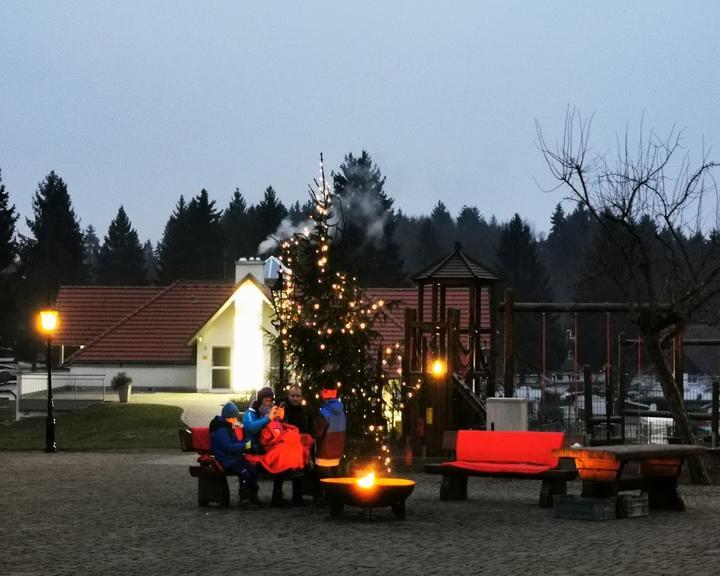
(324, 327)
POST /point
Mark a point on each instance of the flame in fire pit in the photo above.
(367, 481)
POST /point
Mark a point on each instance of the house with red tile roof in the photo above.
(185, 336)
(201, 336)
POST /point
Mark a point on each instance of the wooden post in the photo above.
(473, 337)
(588, 411)
(453, 318)
(508, 351)
(490, 391)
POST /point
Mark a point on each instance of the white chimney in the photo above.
(245, 266)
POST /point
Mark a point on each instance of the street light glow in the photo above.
(48, 321)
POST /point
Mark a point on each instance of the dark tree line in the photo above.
(380, 245)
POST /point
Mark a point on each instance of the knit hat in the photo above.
(328, 387)
(230, 411)
(327, 381)
(266, 392)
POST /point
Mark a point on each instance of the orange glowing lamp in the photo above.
(48, 321)
(438, 367)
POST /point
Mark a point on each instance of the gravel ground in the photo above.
(137, 514)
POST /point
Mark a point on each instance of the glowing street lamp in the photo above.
(437, 367)
(47, 325)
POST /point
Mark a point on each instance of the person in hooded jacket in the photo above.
(229, 450)
(258, 415)
(330, 425)
(263, 417)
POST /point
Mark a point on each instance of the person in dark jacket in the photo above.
(229, 450)
(295, 414)
(330, 427)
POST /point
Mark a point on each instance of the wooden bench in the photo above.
(607, 470)
(212, 477)
(504, 454)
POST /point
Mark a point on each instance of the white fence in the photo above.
(70, 391)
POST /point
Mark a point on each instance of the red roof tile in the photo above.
(158, 331)
(87, 311)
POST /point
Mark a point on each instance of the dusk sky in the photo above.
(136, 103)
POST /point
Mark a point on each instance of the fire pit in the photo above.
(368, 492)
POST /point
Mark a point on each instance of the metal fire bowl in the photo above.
(384, 492)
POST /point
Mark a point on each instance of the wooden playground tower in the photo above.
(459, 340)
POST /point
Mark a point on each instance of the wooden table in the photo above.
(652, 468)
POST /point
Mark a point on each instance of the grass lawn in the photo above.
(107, 426)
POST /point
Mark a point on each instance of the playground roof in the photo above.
(456, 267)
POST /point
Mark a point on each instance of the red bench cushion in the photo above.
(510, 447)
(201, 438)
(498, 467)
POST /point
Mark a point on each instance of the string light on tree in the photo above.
(324, 323)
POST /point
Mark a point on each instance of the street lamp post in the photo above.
(47, 326)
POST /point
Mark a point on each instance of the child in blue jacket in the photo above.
(230, 452)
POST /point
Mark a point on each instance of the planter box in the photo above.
(578, 508)
(124, 392)
(631, 506)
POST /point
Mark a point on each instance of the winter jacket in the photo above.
(252, 424)
(224, 443)
(297, 416)
(330, 433)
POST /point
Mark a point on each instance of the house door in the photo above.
(221, 369)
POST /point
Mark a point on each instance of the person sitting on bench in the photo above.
(276, 447)
(229, 450)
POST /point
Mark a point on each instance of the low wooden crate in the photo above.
(578, 508)
(632, 506)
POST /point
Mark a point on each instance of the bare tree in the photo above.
(656, 220)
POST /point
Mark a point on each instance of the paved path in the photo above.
(136, 514)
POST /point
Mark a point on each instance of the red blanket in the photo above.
(285, 448)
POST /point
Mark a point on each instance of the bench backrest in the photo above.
(508, 446)
(199, 438)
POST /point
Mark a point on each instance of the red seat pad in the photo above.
(498, 467)
(515, 447)
(201, 438)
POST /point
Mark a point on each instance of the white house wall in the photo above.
(220, 333)
(144, 377)
(217, 334)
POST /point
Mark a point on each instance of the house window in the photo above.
(221, 368)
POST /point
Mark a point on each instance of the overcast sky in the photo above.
(135, 103)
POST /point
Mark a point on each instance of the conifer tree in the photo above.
(121, 260)
(265, 218)
(55, 254)
(91, 248)
(522, 270)
(205, 257)
(8, 280)
(236, 228)
(8, 217)
(175, 245)
(150, 262)
(324, 323)
(478, 238)
(367, 223)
